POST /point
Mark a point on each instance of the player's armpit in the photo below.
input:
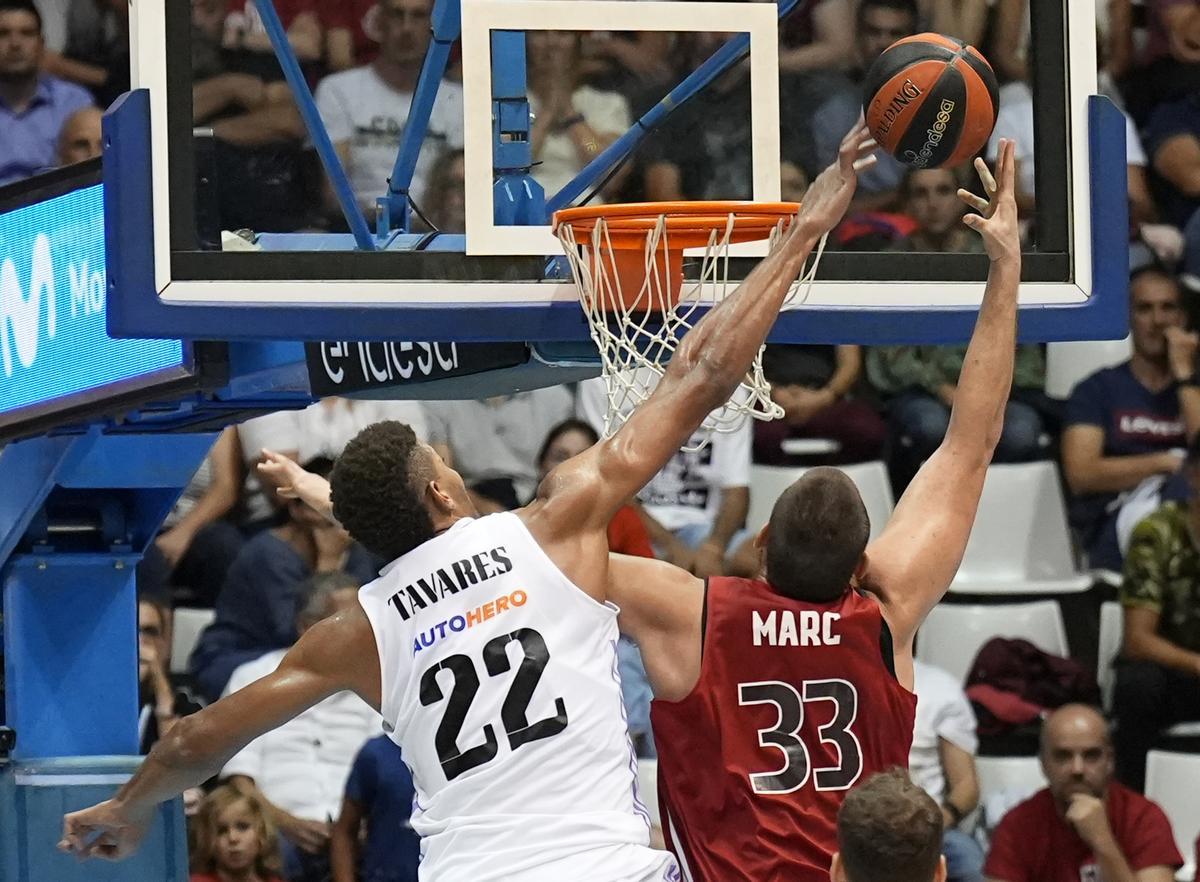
(661, 610)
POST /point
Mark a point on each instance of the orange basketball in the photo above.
(931, 100)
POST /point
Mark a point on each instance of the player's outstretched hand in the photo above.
(827, 199)
(293, 482)
(996, 217)
(106, 830)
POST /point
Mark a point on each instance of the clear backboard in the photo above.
(724, 82)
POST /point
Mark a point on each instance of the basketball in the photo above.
(931, 100)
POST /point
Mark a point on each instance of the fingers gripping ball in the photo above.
(931, 101)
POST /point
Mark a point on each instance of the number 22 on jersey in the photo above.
(784, 735)
(454, 760)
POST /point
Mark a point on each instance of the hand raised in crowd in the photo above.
(1181, 352)
(996, 217)
(293, 482)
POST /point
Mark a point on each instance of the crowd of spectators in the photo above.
(328, 796)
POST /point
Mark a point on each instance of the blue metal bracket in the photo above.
(518, 200)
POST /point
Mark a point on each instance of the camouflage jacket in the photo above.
(1162, 573)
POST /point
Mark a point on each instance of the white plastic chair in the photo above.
(871, 478)
(1005, 781)
(1171, 780)
(1112, 633)
(1068, 363)
(953, 634)
(1020, 543)
(189, 623)
(1112, 627)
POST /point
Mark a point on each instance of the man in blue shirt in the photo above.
(33, 105)
(380, 792)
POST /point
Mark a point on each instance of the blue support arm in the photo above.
(718, 63)
(312, 121)
(447, 25)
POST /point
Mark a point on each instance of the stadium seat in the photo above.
(1068, 363)
(1020, 543)
(1005, 781)
(189, 623)
(648, 787)
(1112, 623)
(767, 482)
(1171, 782)
(953, 634)
(1112, 630)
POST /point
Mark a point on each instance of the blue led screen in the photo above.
(53, 342)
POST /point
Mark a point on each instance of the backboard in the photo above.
(500, 275)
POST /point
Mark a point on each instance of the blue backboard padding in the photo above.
(53, 342)
(136, 310)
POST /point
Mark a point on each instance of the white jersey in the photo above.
(500, 685)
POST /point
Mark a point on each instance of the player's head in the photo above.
(889, 830)
(392, 492)
(815, 539)
(565, 441)
(403, 27)
(881, 23)
(1076, 753)
(20, 40)
(1155, 304)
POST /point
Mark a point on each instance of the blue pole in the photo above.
(447, 25)
(312, 122)
(716, 64)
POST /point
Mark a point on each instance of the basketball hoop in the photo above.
(627, 261)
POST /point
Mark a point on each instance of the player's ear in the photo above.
(860, 571)
(761, 537)
(837, 873)
(439, 499)
(939, 875)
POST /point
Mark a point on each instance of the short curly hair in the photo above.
(889, 830)
(377, 487)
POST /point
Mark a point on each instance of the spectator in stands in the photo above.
(81, 137)
(366, 108)
(571, 123)
(257, 608)
(1158, 677)
(1173, 144)
(1168, 65)
(921, 380)
(942, 763)
(879, 24)
(300, 769)
(888, 830)
(446, 198)
(636, 64)
(235, 839)
(351, 33)
(1084, 825)
(695, 508)
(161, 705)
(33, 105)
(379, 795)
(320, 430)
(197, 546)
(965, 19)
(817, 37)
(813, 385)
(239, 92)
(1126, 426)
(494, 442)
(703, 150)
(96, 55)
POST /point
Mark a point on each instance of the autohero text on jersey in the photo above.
(458, 576)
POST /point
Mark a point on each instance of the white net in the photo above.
(637, 333)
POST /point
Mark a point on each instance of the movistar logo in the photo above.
(22, 307)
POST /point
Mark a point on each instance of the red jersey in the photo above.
(795, 703)
(1034, 844)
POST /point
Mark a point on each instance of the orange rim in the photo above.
(688, 224)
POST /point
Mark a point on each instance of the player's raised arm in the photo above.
(712, 359)
(324, 661)
(912, 563)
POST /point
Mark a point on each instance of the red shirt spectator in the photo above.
(1034, 844)
(351, 36)
(627, 534)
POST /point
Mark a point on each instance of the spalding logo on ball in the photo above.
(931, 100)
